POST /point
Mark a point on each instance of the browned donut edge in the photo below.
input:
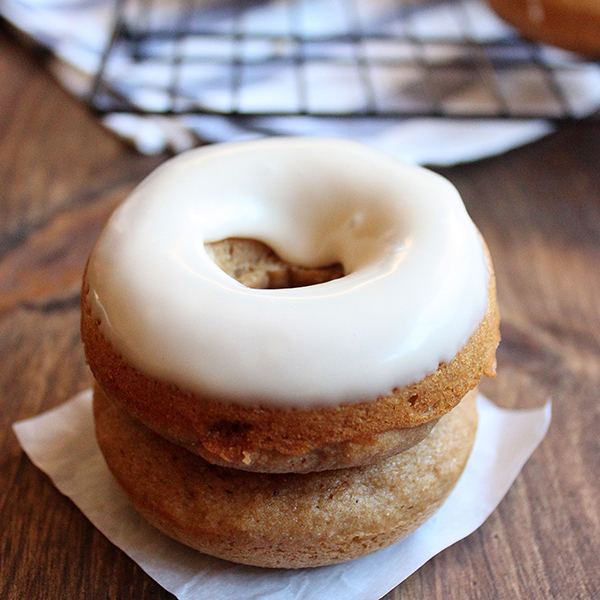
(289, 521)
(337, 455)
(570, 24)
(229, 429)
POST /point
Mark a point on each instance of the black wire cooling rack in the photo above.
(192, 58)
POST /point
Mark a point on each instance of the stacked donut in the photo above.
(286, 337)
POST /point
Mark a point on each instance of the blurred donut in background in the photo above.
(569, 24)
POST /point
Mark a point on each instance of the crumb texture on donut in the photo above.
(337, 455)
(255, 265)
(266, 438)
(289, 520)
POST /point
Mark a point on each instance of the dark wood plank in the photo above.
(61, 174)
(539, 209)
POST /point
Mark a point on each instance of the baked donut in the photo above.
(319, 377)
(570, 24)
(283, 520)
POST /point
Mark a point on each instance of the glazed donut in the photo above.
(570, 24)
(291, 379)
(289, 520)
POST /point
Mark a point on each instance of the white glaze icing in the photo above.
(415, 287)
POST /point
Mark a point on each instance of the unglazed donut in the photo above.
(285, 520)
(290, 380)
(570, 24)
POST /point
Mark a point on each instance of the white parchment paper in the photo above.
(62, 443)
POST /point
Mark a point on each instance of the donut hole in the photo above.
(256, 265)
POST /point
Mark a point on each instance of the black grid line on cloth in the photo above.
(444, 66)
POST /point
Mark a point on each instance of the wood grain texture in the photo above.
(61, 174)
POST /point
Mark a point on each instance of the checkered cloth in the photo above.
(403, 72)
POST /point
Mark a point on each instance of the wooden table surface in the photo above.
(61, 174)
